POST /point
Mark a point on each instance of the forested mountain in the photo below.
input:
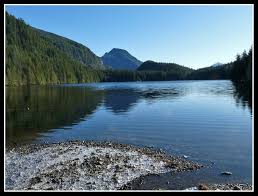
(178, 71)
(119, 59)
(216, 64)
(73, 49)
(37, 57)
(211, 73)
(238, 70)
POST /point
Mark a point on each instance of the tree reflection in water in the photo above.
(35, 109)
(243, 94)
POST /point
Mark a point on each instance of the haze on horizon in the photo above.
(193, 36)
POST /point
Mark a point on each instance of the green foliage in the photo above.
(123, 76)
(167, 70)
(241, 75)
(34, 59)
(150, 70)
(238, 70)
(211, 73)
(73, 49)
(242, 67)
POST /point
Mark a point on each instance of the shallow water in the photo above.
(204, 120)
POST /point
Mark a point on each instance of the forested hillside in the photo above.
(211, 73)
(73, 49)
(32, 58)
(238, 70)
(171, 70)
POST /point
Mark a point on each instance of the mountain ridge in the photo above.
(216, 64)
(40, 57)
(120, 59)
(76, 50)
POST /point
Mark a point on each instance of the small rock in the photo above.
(54, 180)
(35, 180)
(161, 189)
(141, 181)
(114, 178)
(236, 188)
(203, 187)
(226, 173)
(117, 167)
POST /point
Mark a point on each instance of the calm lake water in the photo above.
(205, 120)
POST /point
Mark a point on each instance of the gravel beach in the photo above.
(83, 165)
(222, 187)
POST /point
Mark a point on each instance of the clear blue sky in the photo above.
(194, 36)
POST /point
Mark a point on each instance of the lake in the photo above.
(206, 121)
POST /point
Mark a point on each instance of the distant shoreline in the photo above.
(52, 84)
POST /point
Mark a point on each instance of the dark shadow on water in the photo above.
(120, 101)
(123, 100)
(35, 109)
(243, 94)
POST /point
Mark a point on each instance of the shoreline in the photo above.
(90, 165)
(85, 165)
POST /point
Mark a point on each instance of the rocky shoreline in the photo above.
(222, 187)
(89, 165)
(137, 184)
(80, 165)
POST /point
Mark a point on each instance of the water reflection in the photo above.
(36, 109)
(162, 93)
(243, 94)
(119, 101)
(123, 100)
(32, 110)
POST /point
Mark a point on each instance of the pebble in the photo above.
(236, 188)
(203, 187)
(226, 173)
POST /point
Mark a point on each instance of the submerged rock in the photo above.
(226, 173)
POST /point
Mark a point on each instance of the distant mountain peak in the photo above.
(118, 49)
(216, 64)
(120, 59)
